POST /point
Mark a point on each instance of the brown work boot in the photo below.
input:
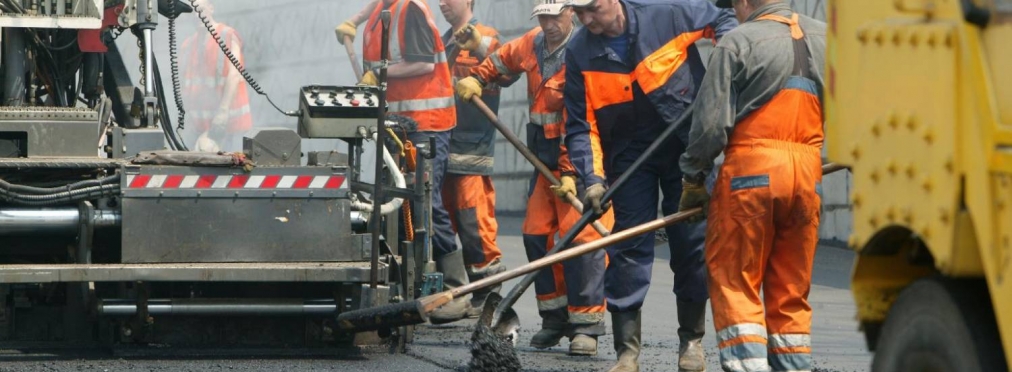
(583, 345)
(626, 326)
(546, 338)
(454, 275)
(691, 326)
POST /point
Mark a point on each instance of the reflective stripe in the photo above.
(486, 42)
(210, 114)
(470, 163)
(421, 104)
(545, 119)
(794, 362)
(156, 181)
(319, 182)
(746, 365)
(790, 340)
(553, 304)
(750, 182)
(743, 329)
(189, 182)
(803, 84)
(254, 182)
(585, 318)
(395, 39)
(499, 66)
(287, 182)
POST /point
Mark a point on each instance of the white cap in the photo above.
(579, 3)
(548, 7)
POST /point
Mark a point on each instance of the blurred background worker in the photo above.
(419, 86)
(760, 104)
(467, 190)
(570, 296)
(216, 97)
(630, 73)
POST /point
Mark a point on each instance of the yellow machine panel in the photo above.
(919, 105)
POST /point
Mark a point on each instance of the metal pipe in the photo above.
(15, 66)
(17, 221)
(149, 78)
(221, 306)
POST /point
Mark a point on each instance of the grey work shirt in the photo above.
(747, 68)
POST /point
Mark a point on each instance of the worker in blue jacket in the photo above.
(631, 71)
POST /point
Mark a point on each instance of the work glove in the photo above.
(567, 184)
(469, 87)
(206, 144)
(347, 28)
(369, 78)
(694, 195)
(467, 38)
(593, 199)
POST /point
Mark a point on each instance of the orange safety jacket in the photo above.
(544, 94)
(205, 78)
(427, 98)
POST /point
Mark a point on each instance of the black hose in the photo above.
(6, 186)
(170, 134)
(64, 197)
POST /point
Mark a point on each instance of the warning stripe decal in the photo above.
(146, 181)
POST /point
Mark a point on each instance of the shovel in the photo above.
(541, 167)
(417, 311)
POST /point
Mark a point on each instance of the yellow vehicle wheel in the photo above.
(940, 325)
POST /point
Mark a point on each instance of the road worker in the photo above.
(630, 73)
(217, 97)
(467, 190)
(420, 86)
(760, 103)
(570, 295)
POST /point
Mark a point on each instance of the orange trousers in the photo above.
(764, 225)
(571, 294)
(470, 201)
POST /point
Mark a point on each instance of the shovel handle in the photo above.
(533, 159)
(349, 46)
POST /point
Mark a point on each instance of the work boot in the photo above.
(691, 326)
(454, 275)
(479, 296)
(546, 338)
(584, 345)
(626, 326)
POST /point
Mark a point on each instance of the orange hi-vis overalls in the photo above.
(570, 295)
(763, 227)
(468, 192)
(426, 98)
(206, 78)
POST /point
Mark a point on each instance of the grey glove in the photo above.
(593, 199)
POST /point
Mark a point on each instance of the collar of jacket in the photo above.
(598, 48)
(774, 7)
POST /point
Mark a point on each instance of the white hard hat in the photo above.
(548, 7)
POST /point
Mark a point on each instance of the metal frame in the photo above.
(350, 272)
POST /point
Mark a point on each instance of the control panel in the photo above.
(337, 111)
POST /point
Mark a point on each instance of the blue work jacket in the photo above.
(611, 103)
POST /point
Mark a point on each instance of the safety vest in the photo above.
(428, 98)
(204, 82)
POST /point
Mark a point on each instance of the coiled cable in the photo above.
(174, 67)
(232, 58)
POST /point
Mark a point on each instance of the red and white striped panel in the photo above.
(178, 181)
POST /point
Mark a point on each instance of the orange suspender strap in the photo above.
(801, 52)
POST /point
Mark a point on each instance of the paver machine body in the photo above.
(919, 105)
